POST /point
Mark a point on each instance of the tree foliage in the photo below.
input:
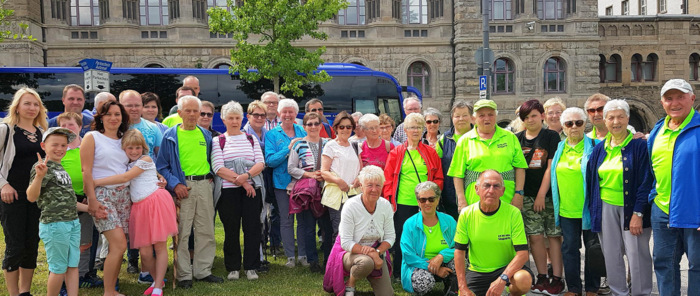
(264, 32)
(7, 26)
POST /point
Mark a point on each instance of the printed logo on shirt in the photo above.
(63, 177)
(502, 145)
(504, 237)
(538, 157)
(443, 242)
(202, 143)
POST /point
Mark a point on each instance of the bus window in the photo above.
(365, 106)
(391, 107)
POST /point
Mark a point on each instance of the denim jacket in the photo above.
(168, 161)
(588, 145)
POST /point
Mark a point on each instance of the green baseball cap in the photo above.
(485, 104)
(59, 131)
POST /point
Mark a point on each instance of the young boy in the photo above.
(50, 187)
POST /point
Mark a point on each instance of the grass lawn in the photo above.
(279, 281)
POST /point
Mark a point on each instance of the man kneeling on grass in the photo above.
(494, 234)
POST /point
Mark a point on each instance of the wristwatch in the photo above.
(638, 214)
(521, 192)
(504, 277)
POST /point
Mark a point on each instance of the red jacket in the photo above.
(392, 171)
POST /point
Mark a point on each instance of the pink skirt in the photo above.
(152, 220)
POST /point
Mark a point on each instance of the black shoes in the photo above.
(133, 268)
(186, 284)
(211, 279)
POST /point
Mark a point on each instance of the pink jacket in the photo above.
(334, 279)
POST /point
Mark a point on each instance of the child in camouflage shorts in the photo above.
(50, 187)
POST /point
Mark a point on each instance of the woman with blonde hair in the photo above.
(21, 134)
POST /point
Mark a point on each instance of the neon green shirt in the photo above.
(570, 181)
(71, 163)
(491, 239)
(434, 241)
(610, 173)
(662, 161)
(438, 147)
(172, 120)
(592, 134)
(474, 155)
(193, 152)
(408, 179)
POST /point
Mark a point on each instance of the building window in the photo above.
(222, 66)
(662, 6)
(503, 76)
(414, 11)
(104, 10)
(373, 7)
(554, 75)
(636, 68)
(199, 10)
(154, 12)
(642, 7)
(84, 12)
(59, 9)
(550, 9)
(354, 14)
(396, 9)
(419, 77)
(694, 66)
(608, 10)
(501, 9)
(626, 7)
(610, 69)
(130, 8)
(436, 8)
(649, 67)
(174, 9)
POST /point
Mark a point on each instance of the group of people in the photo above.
(465, 207)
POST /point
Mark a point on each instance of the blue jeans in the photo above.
(308, 233)
(669, 245)
(571, 230)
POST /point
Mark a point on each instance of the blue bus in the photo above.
(352, 88)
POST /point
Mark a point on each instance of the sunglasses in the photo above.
(424, 199)
(342, 127)
(206, 114)
(313, 124)
(594, 110)
(258, 115)
(436, 121)
(317, 110)
(571, 123)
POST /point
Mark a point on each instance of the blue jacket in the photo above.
(168, 161)
(588, 145)
(277, 153)
(637, 176)
(684, 210)
(413, 245)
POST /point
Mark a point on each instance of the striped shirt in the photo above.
(270, 124)
(236, 147)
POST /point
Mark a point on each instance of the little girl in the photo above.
(153, 216)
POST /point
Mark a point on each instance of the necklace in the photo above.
(430, 228)
(32, 137)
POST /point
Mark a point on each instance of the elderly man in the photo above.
(675, 213)
(101, 99)
(494, 234)
(73, 101)
(174, 118)
(184, 162)
(410, 105)
(271, 99)
(133, 104)
(316, 105)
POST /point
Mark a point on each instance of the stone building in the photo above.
(645, 7)
(542, 48)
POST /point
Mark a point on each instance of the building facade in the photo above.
(646, 7)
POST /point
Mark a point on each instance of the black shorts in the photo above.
(479, 282)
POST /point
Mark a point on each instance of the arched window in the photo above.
(419, 77)
(84, 12)
(610, 69)
(636, 68)
(554, 75)
(694, 66)
(154, 66)
(222, 66)
(414, 11)
(649, 69)
(354, 14)
(503, 76)
(154, 12)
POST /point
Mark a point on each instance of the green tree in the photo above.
(264, 30)
(6, 25)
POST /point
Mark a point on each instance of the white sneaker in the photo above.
(290, 263)
(234, 275)
(302, 261)
(251, 275)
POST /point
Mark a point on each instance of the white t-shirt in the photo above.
(345, 162)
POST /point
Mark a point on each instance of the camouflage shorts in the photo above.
(539, 222)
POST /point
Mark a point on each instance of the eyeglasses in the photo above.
(413, 128)
(313, 124)
(436, 121)
(571, 123)
(206, 114)
(594, 110)
(374, 128)
(317, 110)
(554, 113)
(424, 199)
(258, 115)
(342, 127)
(494, 186)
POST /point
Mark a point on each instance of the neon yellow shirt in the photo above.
(434, 241)
(438, 147)
(491, 239)
(570, 181)
(172, 120)
(474, 155)
(71, 163)
(662, 161)
(193, 152)
(408, 178)
(610, 172)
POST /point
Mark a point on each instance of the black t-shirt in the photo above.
(544, 145)
(25, 157)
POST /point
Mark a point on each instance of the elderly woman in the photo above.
(427, 244)
(101, 156)
(206, 117)
(21, 136)
(303, 164)
(277, 150)
(386, 128)
(152, 110)
(375, 150)
(461, 115)
(409, 164)
(568, 178)
(619, 205)
(432, 118)
(340, 167)
(539, 146)
(366, 233)
(552, 113)
(237, 158)
(488, 146)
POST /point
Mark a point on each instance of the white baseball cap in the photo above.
(678, 84)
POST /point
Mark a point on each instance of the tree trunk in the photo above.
(276, 83)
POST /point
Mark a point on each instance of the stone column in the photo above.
(385, 11)
(186, 12)
(116, 12)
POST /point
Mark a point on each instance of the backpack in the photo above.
(222, 140)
